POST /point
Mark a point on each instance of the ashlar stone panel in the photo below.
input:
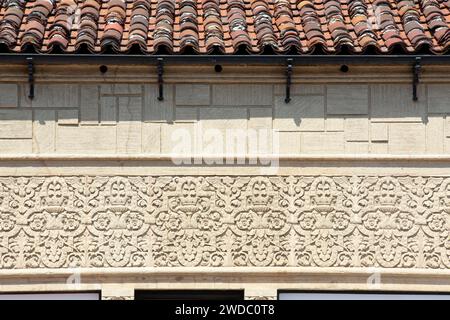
(345, 99)
(121, 89)
(86, 139)
(439, 98)
(334, 123)
(155, 110)
(9, 95)
(435, 134)
(381, 147)
(322, 142)
(177, 139)
(223, 118)
(301, 89)
(192, 94)
(260, 126)
(68, 117)
(89, 104)
(242, 95)
(127, 107)
(129, 126)
(288, 142)
(357, 129)
(305, 113)
(108, 110)
(15, 123)
(357, 147)
(16, 146)
(379, 132)
(226, 124)
(407, 138)
(186, 114)
(53, 96)
(44, 131)
(447, 126)
(394, 103)
(151, 138)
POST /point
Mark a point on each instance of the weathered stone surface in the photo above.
(86, 139)
(226, 118)
(305, 113)
(381, 147)
(357, 147)
(242, 95)
(15, 123)
(192, 94)
(9, 95)
(301, 89)
(55, 96)
(301, 114)
(16, 146)
(447, 126)
(108, 110)
(89, 104)
(68, 117)
(407, 138)
(129, 134)
(320, 142)
(334, 124)
(186, 114)
(438, 98)
(347, 99)
(435, 135)
(393, 103)
(379, 132)
(260, 137)
(179, 139)
(288, 142)
(356, 129)
(151, 138)
(155, 110)
(121, 89)
(44, 129)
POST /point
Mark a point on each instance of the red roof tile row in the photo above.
(227, 26)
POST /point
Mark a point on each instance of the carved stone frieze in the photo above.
(223, 221)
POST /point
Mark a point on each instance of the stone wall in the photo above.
(360, 200)
(320, 119)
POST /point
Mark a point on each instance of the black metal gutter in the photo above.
(54, 59)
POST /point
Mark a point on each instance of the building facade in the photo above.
(119, 175)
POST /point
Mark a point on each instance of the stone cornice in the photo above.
(169, 157)
(242, 73)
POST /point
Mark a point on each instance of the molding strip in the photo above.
(246, 157)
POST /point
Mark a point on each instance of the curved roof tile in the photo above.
(226, 26)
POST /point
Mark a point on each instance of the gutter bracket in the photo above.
(160, 69)
(288, 80)
(31, 78)
(417, 68)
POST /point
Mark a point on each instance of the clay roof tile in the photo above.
(226, 25)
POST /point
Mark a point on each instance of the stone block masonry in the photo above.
(86, 189)
(321, 118)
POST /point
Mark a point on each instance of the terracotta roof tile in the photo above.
(227, 26)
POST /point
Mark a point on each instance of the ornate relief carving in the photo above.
(218, 221)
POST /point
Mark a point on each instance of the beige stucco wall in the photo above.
(90, 196)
